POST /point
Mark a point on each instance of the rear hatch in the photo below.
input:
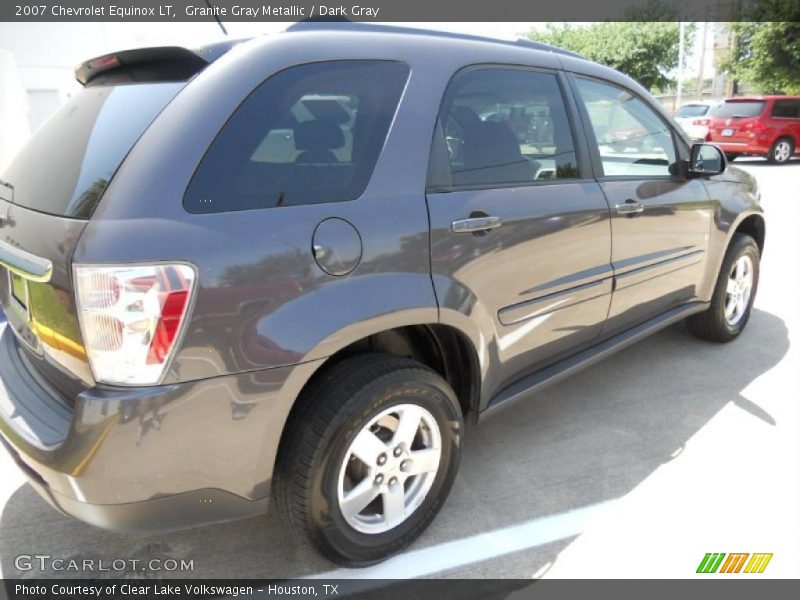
(50, 189)
(733, 120)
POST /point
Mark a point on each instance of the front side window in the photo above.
(632, 139)
(506, 126)
(308, 135)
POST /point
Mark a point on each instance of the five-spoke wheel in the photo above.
(733, 295)
(389, 468)
(370, 455)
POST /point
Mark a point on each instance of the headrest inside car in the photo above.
(318, 135)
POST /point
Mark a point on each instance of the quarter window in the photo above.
(786, 109)
(632, 139)
(506, 126)
(307, 135)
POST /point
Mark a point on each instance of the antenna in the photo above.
(216, 17)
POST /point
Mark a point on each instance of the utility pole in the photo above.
(681, 34)
(701, 70)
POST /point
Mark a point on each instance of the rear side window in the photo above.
(67, 164)
(307, 135)
(506, 126)
(731, 109)
(786, 109)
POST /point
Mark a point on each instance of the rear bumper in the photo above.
(163, 457)
(176, 511)
(741, 147)
(696, 133)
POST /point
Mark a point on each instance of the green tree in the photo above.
(767, 55)
(646, 51)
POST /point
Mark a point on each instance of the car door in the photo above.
(520, 236)
(660, 220)
(786, 118)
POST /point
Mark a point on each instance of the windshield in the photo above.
(67, 164)
(738, 108)
(692, 110)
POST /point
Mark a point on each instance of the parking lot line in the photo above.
(480, 547)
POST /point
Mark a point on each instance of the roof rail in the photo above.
(547, 48)
(344, 24)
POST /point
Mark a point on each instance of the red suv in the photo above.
(767, 126)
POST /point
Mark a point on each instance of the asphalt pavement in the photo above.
(635, 467)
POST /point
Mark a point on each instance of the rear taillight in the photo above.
(131, 317)
(701, 122)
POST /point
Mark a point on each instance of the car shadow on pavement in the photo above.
(588, 439)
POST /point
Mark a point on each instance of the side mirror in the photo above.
(706, 160)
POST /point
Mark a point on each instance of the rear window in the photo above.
(67, 164)
(307, 135)
(692, 110)
(738, 108)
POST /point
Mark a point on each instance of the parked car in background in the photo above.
(767, 126)
(296, 272)
(693, 119)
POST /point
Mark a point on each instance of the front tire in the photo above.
(734, 292)
(369, 457)
(782, 151)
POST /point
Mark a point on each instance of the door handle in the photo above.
(630, 207)
(476, 224)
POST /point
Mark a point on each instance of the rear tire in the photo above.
(732, 156)
(782, 151)
(734, 292)
(374, 430)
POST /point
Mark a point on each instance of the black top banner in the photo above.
(398, 10)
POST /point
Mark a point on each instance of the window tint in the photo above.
(307, 135)
(738, 108)
(632, 139)
(787, 109)
(692, 110)
(506, 126)
(67, 164)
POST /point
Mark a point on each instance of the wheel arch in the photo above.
(752, 224)
(443, 348)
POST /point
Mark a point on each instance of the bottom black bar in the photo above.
(389, 589)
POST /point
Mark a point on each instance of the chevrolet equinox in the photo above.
(295, 267)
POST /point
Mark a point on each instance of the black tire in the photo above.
(732, 156)
(711, 324)
(330, 414)
(782, 158)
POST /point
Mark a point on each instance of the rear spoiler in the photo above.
(165, 63)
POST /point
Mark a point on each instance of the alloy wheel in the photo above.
(738, 290)
(389, 468)
(782, 151)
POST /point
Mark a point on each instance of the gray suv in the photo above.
(296, 266)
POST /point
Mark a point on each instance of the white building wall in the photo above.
(14, 128)
(46, 55)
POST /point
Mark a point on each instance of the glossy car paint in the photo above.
(266, 317)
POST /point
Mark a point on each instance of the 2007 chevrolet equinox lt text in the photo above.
(296, 266)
